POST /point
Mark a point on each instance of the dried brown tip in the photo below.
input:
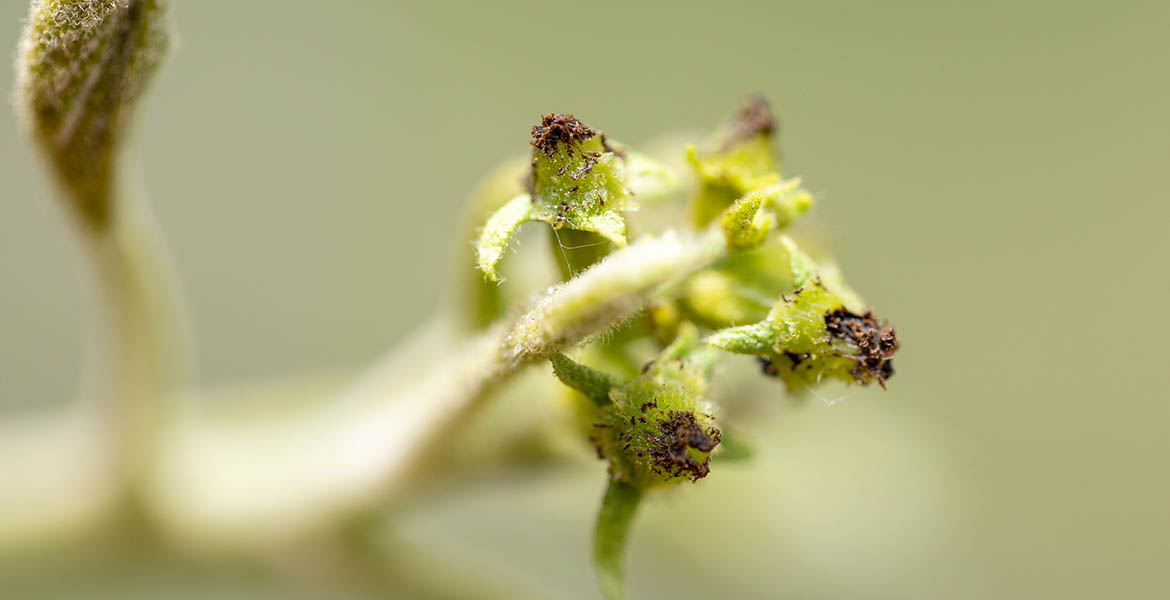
(754, 118)
(671, 454)
(557, 129)
(876, 343)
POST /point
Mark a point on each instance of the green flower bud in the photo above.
(744, 162)
(817, 332)
(81, 68)
(659, 426)
(579, 182)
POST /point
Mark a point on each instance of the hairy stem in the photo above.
(248, 482)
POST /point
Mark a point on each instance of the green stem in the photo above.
(137, 361)
(364, 445)
(574, 251)
(594, 384)
(618, 508)
(69, 472)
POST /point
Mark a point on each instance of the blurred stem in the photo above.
(618, 508)
(137, 359)
(364, 446)
(65, 473)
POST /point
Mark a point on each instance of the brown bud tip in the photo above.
(754, 118)
(876, 343)
(557, 129)
(671, 450)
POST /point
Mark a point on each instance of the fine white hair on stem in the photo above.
(365, 443)
(611, 289)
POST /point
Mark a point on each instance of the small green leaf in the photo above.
(610, 536)
(481, 301)
(801, 266)
(609, 225)
(594, 384)
(493, 238)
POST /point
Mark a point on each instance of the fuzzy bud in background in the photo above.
(81, 67)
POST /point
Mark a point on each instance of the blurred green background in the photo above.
(993, 176)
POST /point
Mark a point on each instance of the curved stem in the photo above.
(64, 473)
(138, 355)
(618, 508)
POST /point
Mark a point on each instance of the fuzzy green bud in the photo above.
(815, 333)
(82, 66)
(579, 182)
(748, 221)
(659, 427)
(742, 160)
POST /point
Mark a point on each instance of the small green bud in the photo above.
(659, 427)
(742, 160)
(743, 173)
(579, 182)
(815, 333)
(81, 68)
(748, 221)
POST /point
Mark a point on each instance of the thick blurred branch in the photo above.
(257, 483)
(81, 68)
